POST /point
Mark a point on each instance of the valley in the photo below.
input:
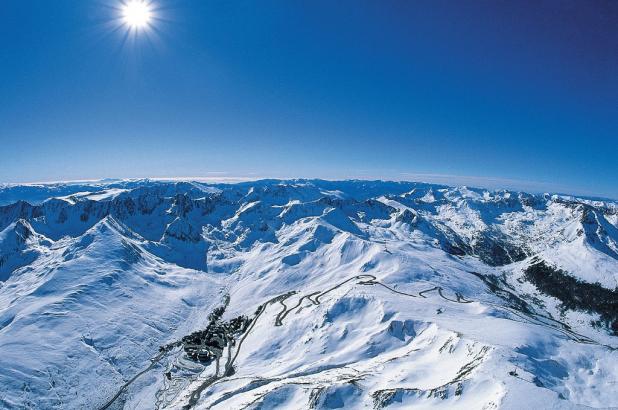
(267, 294)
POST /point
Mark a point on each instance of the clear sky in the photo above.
(514, 92)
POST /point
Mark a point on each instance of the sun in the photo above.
(137, 14)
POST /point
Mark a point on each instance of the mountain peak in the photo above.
(313, 290)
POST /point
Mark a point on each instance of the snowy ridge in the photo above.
(331, 294)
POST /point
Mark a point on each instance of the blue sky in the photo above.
(520, 94)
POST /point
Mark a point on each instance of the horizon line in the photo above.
(447, 180)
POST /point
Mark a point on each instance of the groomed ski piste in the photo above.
(305, 294)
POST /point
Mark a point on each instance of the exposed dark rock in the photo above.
(406, 216)
(497, 252)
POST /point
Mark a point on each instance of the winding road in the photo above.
(315, 299)
(153, 363)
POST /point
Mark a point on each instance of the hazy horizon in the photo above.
(489, 91)
(492, 184)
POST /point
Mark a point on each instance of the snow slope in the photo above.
(331, 294)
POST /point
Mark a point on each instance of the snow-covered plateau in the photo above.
(305, 294)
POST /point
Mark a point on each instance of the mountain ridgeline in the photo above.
(180, 221)
(211, 288)
(462, 221)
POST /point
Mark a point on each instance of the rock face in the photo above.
(497, 227)
(336, 294)
(19, 246)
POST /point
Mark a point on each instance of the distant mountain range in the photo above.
(290, 294)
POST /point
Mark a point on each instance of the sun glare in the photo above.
(137, 14)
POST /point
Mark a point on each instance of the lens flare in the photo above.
(137, 14)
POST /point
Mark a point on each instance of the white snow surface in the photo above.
(360, 295)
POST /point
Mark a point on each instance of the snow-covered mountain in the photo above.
(305, 294)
